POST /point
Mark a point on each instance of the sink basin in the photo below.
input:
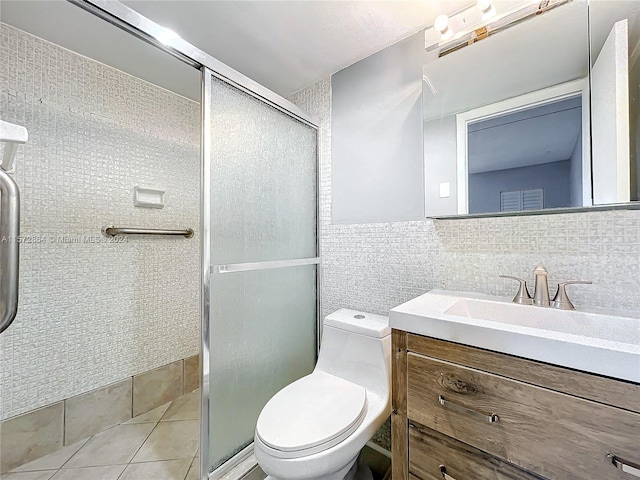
(593, 342)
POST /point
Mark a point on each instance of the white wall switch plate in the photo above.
(148, 197)
(445, 190)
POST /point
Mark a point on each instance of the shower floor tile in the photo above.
(161, 444)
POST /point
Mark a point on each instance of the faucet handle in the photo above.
(522, 297)
(561, 299)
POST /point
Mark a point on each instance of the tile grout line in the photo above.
(191, 460)
(132, 378)
(74, 453)
(138, 449)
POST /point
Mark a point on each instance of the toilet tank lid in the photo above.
(359, 322)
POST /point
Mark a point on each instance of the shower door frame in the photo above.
(209, 269)
(140, 26)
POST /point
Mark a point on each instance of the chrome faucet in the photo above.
(541, 292)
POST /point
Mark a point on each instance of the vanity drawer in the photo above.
(552, 434)
(430, 451)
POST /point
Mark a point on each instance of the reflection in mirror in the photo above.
(527, 160)
(615, 97)
(506, 118)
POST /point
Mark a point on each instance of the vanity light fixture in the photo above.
(479, 21)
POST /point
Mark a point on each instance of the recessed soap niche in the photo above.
(148, 197)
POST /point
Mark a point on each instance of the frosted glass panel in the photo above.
(263, 208)
(263, 185)
(263, 330)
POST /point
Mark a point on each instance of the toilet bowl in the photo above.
(315, 427)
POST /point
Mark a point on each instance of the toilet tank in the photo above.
(356, 346)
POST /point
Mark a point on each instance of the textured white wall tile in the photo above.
(374, 267)
(93, 313)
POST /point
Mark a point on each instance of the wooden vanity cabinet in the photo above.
(463, 413)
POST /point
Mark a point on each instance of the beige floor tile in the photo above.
(171, 440)
(115, 446)
(111, 472)
(255, 474)
(152, 416)
(42, 475)
(157, 387)
(164, 470)
(186, 407)
(54, 460)
(194, 473)
(97, 410)
(30, 436)
(191, 373)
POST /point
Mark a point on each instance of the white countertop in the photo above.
(593, 342)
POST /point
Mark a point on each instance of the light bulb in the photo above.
(441, 24)
(487, 9)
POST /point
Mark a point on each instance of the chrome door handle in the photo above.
(445, 475)
(9, 249)
(624, 465)
(492, 418)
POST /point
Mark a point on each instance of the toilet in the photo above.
(315, 427)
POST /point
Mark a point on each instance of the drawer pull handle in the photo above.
(493, 418)
(624, 465)
(445, 475)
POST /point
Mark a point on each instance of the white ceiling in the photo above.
(287, 45)
(284, 45)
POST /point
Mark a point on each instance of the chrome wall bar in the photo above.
(9, 249)
(131, 21)
(253, 266)
(113, 231)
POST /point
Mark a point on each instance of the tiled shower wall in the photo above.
(374, 267)
(91, 311)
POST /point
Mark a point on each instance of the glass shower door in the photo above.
(262, 212)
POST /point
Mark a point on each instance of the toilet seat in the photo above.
(311, 415)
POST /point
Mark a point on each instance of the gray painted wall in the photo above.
(440, 166)
(485, 188)
(376, 132)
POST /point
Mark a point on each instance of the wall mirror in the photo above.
(519, 120)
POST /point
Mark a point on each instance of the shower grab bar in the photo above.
(110, 231)
(9, 249)
(252, 266)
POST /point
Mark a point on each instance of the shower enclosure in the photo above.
(260, 261)
(259, 231)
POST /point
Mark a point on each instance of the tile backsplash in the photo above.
(92, 312)
(374, 267)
